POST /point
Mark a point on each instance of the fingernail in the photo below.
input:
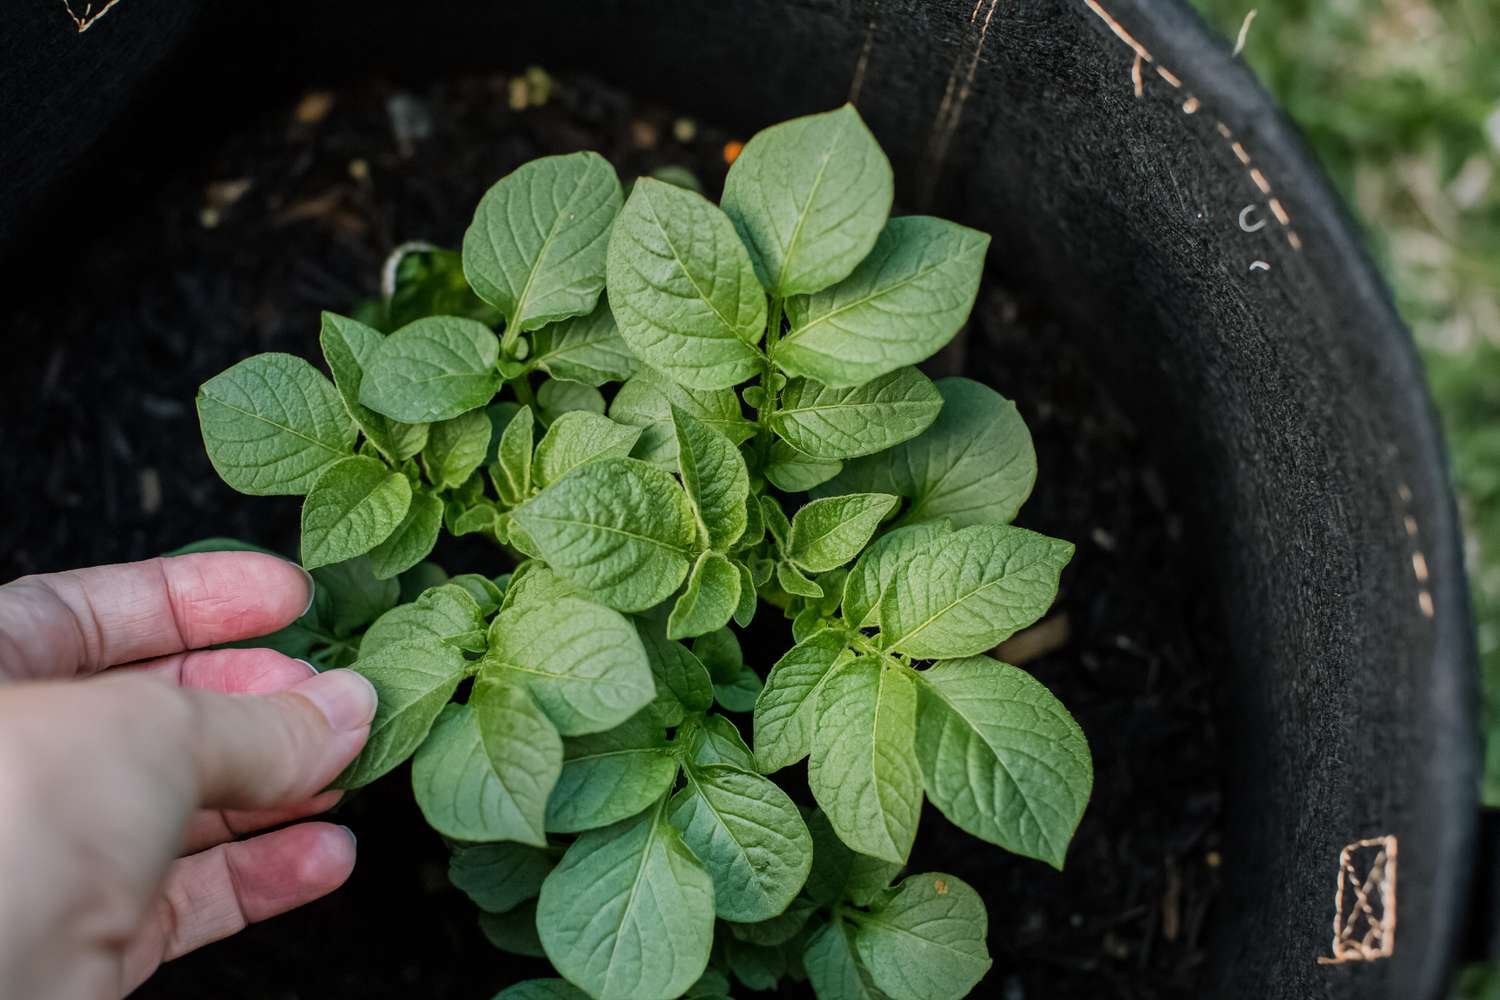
(312, 589)
(346, 698)
(312, 671)
(352, 838)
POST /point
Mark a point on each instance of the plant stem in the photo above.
(768, 397)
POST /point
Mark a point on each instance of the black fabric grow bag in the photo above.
(1137, 178)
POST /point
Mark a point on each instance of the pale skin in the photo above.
(137, 768)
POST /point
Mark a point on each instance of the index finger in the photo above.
(81, 621)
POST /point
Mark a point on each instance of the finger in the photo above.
(212, 895)
(266, 752)
(210, 827)
(228, 671)
(81, 621)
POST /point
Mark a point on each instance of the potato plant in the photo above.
(672, 418)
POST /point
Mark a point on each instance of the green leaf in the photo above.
(780, 929)
(455, 448)
(966, 592)
(784, 711)
(484, 591)
(499, 877)
(348, 346)
(587, 349)
(414, 678)
(904, 301)
(421, 578)
(577, 438)
(716, 740)
(682, 288)
(618, 528)
(541, 989)
(646, 401)
(828, 533)
(712, 594)
(712, 985)
(974, 465)
(793, 581)
(413, 538)
(838, 873)
(831, 967)
(682, 681)
(535, 583)
(515, 932)
(512, 469)
(629, 914)
(272, 425)
(830, 424)
(461, 793)
(1001, 757)
(433, 369)
(927, 942)
(556, 396)
(736, 686)
(809, 198)
(862, 768)
(758, 968)
(744, 612)
(524, 750)
(877, 566)
(354, 506)
(793, 472)
(582, 662)
(348, 596)
(718, 484)
(535, 249)
(776, 522)
(611, 776)
(749, 836)
(430, 282)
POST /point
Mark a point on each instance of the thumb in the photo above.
(262, 751)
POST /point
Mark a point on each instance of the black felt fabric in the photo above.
(1267, 352)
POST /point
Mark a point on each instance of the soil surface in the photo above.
(237, 249)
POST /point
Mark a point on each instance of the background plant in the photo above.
(765, 444)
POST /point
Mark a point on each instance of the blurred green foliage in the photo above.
(1400, 99)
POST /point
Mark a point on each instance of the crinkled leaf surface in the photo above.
(272, 424)
(348, 346)
(536, 247)
(414, 678)
(611, 776)
(461, 793)
(413, 538)
(524, 748)
(784, 711)
(749, 836)
(928, 941)
(832, 968)
(974, 465)
(455, 448)
(878, 565)
(581, 661)
(354, 506)
(717, 481)
(629, 913)
(586, 349)
(862, 768)
(790, 471)
(829, 424)
(682, 288)
(899, 306)
(646, 401)
(829, 532)
(576, 438)
(432, 369)
(1001, 757)
(965, 592)
(619, 528)
(809, 198)
(709, 600)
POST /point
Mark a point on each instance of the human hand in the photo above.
(130, 764)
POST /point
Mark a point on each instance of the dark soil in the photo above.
(236, 251)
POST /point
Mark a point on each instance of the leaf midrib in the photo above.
(541, 253)
(883, 290)
(281, 427)
(692, 280)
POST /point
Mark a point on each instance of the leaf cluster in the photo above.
(668, 416)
